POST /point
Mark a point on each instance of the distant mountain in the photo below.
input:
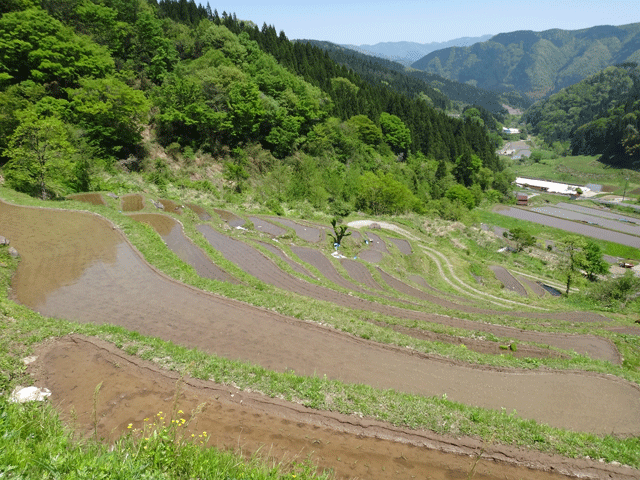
(536, 64)
(407, 53)
(415, 82)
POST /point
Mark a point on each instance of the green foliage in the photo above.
(339, 232)
(617, 291)
(40, 155)
(379, 193)
(395, 132)
(111, 113)
(572, 247)
(365, 129)
(35, 46)
(215, 83)
(466, 168)
(461, 194)
(275, 206)
(593, 262)
(558, 117)
(521, 237)
(12, 101)
(534, 63)
(235, 171)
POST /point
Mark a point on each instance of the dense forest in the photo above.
(536, 64)
(436, 90)
(81, 81)
(598, 115)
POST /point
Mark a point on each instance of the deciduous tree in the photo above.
(38, 150)
(521, 237)
(593, 262)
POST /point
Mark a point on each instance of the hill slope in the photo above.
(378, 70)
(598, 115)
(536, 63)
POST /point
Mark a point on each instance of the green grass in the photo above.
(438, 414)
(35, 444)
(554, 234)
(20, 329)
(579, 170)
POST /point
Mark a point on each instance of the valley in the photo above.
(226, 254)
(109, 283)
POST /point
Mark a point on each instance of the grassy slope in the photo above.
(397, 408)
(580, 170)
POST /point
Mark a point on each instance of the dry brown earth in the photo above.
(256, 264)
(508, 280)
(261, 225)
(305, 232)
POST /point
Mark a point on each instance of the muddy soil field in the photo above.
(174, 237)
(256, 264)
(569, 226)
(248, 423)
(78, 266)
(576, 216)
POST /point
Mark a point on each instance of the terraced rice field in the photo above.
(587, 225)
(78, 266)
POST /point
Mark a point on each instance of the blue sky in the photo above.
(368, 22)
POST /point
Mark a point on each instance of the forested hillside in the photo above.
(82, 80)
(435, 89)
(536, 64)
(598, 115)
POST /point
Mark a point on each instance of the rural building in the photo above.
(551, 187)
(510, 130)
(522, 199)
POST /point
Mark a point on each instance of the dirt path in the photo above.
(133, 390)
(108, 282)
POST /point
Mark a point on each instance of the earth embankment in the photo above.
(78, 266)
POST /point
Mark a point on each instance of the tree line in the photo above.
(598, 115)
(80, 80)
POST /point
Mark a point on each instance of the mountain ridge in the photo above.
(536, 64)
(406, 53)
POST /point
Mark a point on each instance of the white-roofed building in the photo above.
(551, 187)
